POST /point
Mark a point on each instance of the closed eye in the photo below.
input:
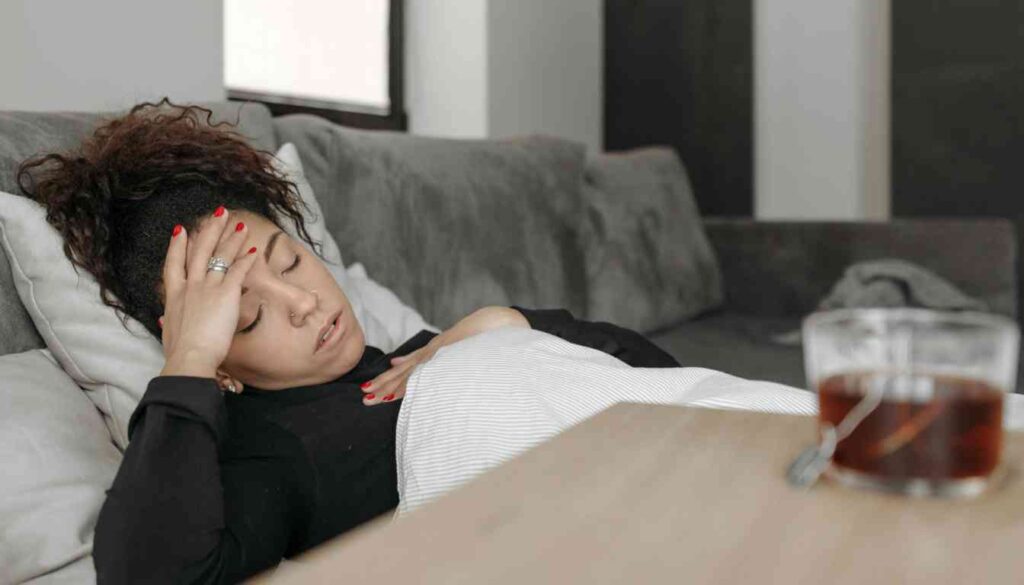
(259, 315)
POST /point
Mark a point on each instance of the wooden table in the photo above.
(663, 494)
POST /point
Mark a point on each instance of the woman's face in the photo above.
(280, 316)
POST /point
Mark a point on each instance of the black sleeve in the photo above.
(165, 519)
(625, 344)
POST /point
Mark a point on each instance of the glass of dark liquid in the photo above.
(912, 399)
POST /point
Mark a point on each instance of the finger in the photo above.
(398, 359)
(203, 245)
(174, 262)
(236, 274)
(229, 247)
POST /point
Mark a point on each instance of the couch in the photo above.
(768, 275)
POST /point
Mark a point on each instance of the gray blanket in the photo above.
(891, 282)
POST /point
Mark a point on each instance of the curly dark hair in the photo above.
(116, 197)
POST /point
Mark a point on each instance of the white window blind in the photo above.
(334, 52)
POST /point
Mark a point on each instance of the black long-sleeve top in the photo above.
(216, 487)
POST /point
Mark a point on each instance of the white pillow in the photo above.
(386, 321)
(58, 461)
(111, 364)
(114, 365)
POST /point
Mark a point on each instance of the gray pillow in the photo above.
(451, 225)
(648, 260)
(58, 461)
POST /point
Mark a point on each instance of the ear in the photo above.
(225, 380)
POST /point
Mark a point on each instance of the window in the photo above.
(339, 60)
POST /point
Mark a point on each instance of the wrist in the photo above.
(189, 363)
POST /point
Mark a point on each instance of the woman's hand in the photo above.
(201, 307)
(390, 385)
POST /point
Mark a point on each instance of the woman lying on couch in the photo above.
(272, 425)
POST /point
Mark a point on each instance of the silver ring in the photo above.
(231, 388)
(217, 263)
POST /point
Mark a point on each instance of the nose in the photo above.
(301, 303)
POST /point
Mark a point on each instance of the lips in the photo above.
(332, 320)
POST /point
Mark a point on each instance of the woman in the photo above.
(271, 426)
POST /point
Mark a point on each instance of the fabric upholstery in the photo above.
(740, 344)
(58, 461)
(451, 225)
(786, 268)
(648, 259)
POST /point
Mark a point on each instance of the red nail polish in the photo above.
(219, 212)
(239, 227)
(365, 385)
(160, 322)
(389, 398)
(176, 231)
(252, 250)
(371, 396)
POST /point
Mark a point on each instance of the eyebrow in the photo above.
(267, 251)
(270, 246)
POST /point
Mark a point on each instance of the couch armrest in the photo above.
(786, 268)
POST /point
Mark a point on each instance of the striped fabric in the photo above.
(459, 419)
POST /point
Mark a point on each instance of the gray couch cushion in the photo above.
(649, 261)
(736, 344)
(25, 134)
(451, 225)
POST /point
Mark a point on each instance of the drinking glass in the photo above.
(912, 399)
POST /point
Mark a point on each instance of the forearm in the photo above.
(484, 319)
(164, 514)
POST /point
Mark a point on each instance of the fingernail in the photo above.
(160, 322)
(252, 250)
(365, 385)
(389, 398)
(239, 227)
(219, 212)
(371, 396)
(177, 230)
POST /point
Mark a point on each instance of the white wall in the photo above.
(105, 55)
(497, 68)
(546, 69)
(821, 109)
(446, 67)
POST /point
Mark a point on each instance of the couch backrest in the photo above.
(451, 225)
(25, 134)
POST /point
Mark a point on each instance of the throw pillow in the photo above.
(451, 225)
(58, 461)
(649, 262)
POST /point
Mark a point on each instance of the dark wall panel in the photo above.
(958, 108)
(681, 73)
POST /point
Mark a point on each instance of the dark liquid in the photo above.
(928, 427)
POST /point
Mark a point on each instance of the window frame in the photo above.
(355, 115)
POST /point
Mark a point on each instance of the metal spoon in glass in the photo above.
(814, 460)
